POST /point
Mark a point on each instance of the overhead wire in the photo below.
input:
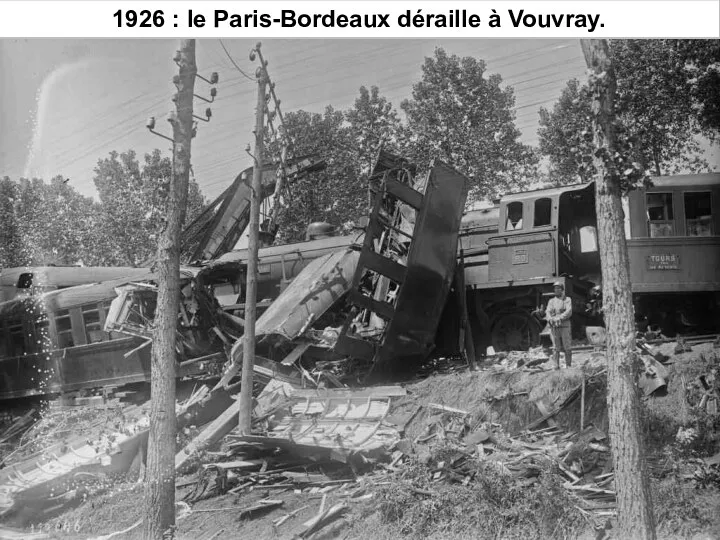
(295, 68)
(234, 63)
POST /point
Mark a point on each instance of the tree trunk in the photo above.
(159, 515)
(635, 513)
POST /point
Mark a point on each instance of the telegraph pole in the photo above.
(159, 518)
(244, 419)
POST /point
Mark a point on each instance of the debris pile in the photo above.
(77, 447)
(531, 360)
(343, 443)
(300, 429)
(581, 458)
(379, 303)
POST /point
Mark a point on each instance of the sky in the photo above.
(64, 104)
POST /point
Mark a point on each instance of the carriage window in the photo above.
(543, 212)
(698, 215)
(63, 327)
(588, 239)
(660, 215)
(91, 320)
(105, 306)
(17, 339)
(42, 335)
(25, 280)
(514, 216)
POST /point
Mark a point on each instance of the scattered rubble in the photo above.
(319, 450)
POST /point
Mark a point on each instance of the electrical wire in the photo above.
(293, 68)
(233, 61)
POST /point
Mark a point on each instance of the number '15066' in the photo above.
(143, 19)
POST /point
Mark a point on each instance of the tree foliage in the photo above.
(462, 115)
(348, 141)
(565, 136)
(133, 198)
(51, 223)
(330, 195)
(657, 120)
(10, 240)
(456, 113)
(701, 65)
(46, 224)
(372, 122)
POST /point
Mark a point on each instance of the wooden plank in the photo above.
(443, 408)
(405, 193)
(296, 353)
(212, 433)
(543, 405)
(233, 307)
(239, 464)
(369, 392)
(382, 309)
(382, 265)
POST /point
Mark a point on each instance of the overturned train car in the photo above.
(55, 342)
(376, 304)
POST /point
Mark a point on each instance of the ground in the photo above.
(409, 501)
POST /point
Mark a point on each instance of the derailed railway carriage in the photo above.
(55, 342)
(509, 254)
(673, 231)
(514, 251)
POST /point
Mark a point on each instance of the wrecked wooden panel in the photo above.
(317, 288)
(323, 282)
(333, 424)
(403, 278)
(431, 263)
(217, 230)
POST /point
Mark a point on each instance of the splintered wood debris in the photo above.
(329, 423)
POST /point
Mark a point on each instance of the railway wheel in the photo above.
(515, 331)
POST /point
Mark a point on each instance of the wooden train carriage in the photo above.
(673, 231)
(55, 342)
(277, 267)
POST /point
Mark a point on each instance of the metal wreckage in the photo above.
(364, 310)
(341, 313)
(351, 309)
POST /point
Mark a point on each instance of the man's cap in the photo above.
(559, 284)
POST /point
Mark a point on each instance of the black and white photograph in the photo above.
(359, 288)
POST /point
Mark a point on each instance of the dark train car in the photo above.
(55, 342)
(673, 237)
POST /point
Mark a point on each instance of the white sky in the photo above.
(64, 104)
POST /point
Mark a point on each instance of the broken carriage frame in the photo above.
(378, 304)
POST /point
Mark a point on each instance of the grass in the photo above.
(683, 511)
(494, 505)
(506, 398)
(665, 415)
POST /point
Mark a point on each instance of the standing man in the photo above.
(558, 313)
